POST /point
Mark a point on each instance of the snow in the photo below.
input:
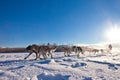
(101, 66)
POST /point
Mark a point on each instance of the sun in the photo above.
(113, 33)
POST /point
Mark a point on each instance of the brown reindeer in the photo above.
(67, 50)
(51, 49)
(107, 50)
(48, 50)
(95, 51)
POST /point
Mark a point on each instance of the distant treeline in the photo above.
(19, 50)
(12, 50)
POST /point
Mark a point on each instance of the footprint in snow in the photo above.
(78, 65)
(86, 78)
(15, 68)
(50, 76)
(112, 67)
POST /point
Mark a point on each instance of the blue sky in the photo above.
(24, 22)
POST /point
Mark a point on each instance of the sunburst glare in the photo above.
(113, 33)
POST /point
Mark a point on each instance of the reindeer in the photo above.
(67, 50)
(77, 50)
(95, 51)
(90, 50)
(40, 49)
(33, 49)
(107, 50)
(48, 50)
(52, 50)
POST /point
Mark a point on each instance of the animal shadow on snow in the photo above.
(97, 55)
(44, 76)
(69, 60)
(9, 62)
(86, 78)
(44, 68)
(78, 65)
(15, 62)
(45, 61)
(19, 67)
(110, 65)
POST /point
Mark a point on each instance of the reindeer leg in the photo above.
(95, 52)
(39, 55)
(65, 54)
(82, 52)
(69, 53)
(45, 55)
(78, 55)
(51, 55)
(36, 56)
(28, 55)
(48, 53)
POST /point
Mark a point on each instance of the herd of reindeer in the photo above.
(48, 50)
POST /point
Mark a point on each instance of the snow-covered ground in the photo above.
(102, 66)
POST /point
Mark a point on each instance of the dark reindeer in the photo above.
(33, 49)
(77, 50)
(39, 50)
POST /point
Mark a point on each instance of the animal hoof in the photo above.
(52, 57)
(35, 59)
(25, 58)
(68, 55)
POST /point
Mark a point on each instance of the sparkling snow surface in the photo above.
(101, 66)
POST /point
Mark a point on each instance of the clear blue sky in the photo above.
(24, 22)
